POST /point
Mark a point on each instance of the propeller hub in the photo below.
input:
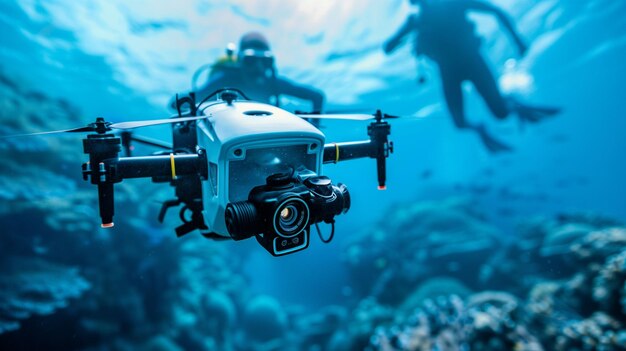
(378, 116)
(101, 126)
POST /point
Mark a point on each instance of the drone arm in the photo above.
(335, 152)
(105, 168)
(160, 166)
(375, 148)
(378, 147)
(111, 171)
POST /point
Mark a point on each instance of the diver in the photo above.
(252, 70)
(443, 33)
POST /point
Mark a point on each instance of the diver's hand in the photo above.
(390, 46)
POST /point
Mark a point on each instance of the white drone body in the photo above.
(246, 142)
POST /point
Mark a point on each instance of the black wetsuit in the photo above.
(445, 35)
(258, 87)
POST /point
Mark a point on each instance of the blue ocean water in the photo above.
(125, 60)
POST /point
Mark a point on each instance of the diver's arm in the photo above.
(395, 41)
(286, 87)
(502, 17)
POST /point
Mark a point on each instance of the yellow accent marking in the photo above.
(173, 166)
(336, 152)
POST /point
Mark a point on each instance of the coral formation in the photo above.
(33, 286)
(577, 305)
(598, 332)
(609, 287)
(426, 239)
(486, 321)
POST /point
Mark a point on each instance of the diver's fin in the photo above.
(535, 114)
(547, 110)
(493, 145)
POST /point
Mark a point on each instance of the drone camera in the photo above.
(281, 212)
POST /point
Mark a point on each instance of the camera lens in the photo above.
(242, 220)
(291, 217)
(288, 213)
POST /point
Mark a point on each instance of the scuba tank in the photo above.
(228, 61)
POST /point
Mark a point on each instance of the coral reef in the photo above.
(316, 330)
(598, 332)
(418, 241)
(356, 332)
(578, 304)
(486, 321)
(34, 286)
(552, 248)
(609, 287)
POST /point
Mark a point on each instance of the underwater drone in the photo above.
(239, 168)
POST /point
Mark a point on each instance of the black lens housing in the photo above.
(241, 217)
(297, 218)
(281, 212)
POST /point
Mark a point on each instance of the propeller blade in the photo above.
(120, 125)
(386, 116)
(349, 116)
(154, 122)
(348, 110)
(353, 117)
(73, 130)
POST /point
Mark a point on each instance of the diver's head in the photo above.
(255, 41)
(255, 55)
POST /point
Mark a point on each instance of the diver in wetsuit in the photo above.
(253, 72)
(445, 35)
